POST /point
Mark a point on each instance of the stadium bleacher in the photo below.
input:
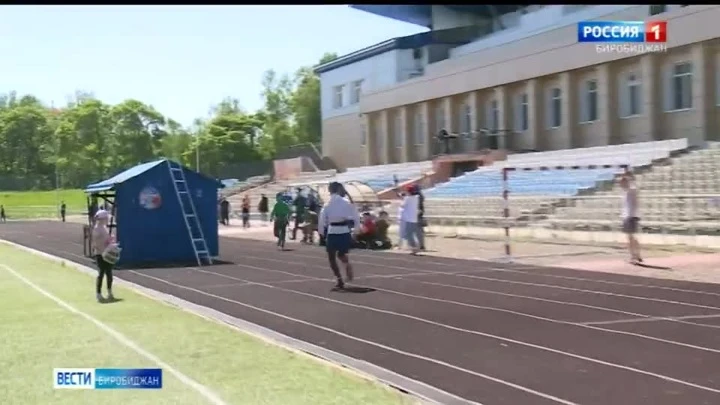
(239, 187)
(383, 176)
(676, 189)
(677, 196)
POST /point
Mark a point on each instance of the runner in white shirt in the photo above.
(409, 218)
(630, 216)
(338, 219)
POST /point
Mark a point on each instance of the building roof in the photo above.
(454, 36)
(422, 14)
(128, 174)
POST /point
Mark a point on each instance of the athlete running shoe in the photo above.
(99, 297)
(340, 286)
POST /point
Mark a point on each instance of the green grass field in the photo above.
(38, 334)
(41, 204)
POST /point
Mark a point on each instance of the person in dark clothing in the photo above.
(225, 212)
(246, 211)
(300, 204)
(421, 217)
(313, 203)
(63, 210)
(263, 208)
(2, 214)
(92, 208)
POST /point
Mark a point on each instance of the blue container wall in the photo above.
(160, 235)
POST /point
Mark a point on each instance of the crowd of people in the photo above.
(300, 212)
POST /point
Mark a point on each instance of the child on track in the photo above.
(280, 215)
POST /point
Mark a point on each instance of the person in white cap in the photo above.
(101, 239)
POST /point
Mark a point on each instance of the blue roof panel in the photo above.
(122, 177)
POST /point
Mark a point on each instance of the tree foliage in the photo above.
(87, 140)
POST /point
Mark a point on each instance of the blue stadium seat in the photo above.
(485, 183)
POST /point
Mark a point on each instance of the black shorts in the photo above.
(339, 243)
(630, 225)
(103, 265)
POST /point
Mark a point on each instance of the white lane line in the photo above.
(210, 396)
(425, 392)
(485, 308)
(495, 269)
(661, 318)
(491, 336)
(367, 342)
(466, 274)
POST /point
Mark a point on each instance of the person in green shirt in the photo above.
(280, 215)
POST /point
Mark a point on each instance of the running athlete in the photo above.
(630, 216)
(280, 214)
(339, 219)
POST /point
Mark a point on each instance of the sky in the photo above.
(180, 59)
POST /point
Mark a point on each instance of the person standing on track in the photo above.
(263, 208)
(300, 206)
(101, 239)
(2, 214)
(339, 219)
(409, 218)
(630, 218)
(246, 211)
(280, 215)
(421, 216)
(63, 210)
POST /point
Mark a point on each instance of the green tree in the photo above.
(306, 102)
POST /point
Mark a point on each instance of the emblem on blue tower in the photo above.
(150, 198)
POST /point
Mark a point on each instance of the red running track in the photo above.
(495, 334)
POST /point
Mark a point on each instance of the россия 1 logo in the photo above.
(635, 37)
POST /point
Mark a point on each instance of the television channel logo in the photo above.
(622, 31)
(107, 378)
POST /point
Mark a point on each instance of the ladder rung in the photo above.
(189, 215)
(182, 192)
(175, 169)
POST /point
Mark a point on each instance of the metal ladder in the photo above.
(192, 222)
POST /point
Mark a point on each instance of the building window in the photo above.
(555, 108)
(493, 116)
(356, 92)
(522, 109)
(681, 87)
(589, 102)
(439, 119)
(419, 128)
(398, 131)
(380, 135)
(630, 96)
(363, 135)
(465, 119)
(658, 9)
(338, 96)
